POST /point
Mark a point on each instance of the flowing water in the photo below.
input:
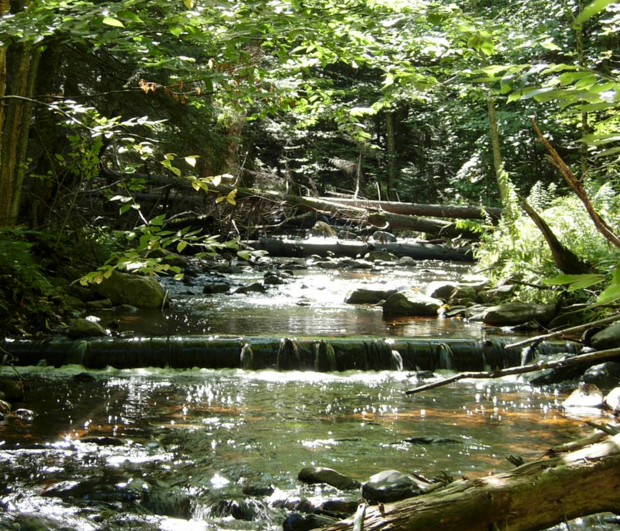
(202, 449)
(311, 303)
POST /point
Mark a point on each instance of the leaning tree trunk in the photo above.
(533, 496)
(565, 259)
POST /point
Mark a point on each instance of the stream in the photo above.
(160, 448)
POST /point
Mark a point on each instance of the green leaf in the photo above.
(575, 282)
(177, 31)
(592, 9)
(189, 4)
(129, 15)
(158, 221)
(109, 21)
(181, 245)
(611, 294)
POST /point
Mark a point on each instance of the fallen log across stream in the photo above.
(323, 247)
(534, 496)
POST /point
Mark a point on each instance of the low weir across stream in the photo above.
(200, 417)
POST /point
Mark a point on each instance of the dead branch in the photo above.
(565, 332)
(564, 362)
(575, 184)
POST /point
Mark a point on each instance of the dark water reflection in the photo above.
(180, 442)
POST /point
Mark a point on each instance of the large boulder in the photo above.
(319, 474)
(607, 338)
(138, 291)
(516, 313)
(411, 303)
(390, 486)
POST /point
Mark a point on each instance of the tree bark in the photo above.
(534, 496)
(18, 65)
(417, 250)
(566, 261)
(418, 209)
(570, 179)
(392, 170)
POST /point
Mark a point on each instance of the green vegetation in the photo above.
(120, 118)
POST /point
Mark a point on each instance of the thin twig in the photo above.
(565, 331)
(564, 362)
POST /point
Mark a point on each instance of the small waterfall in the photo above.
(289, 357)
(324, 357)
(446, 357)
(247, 357)
(397, 361)
(378, 355)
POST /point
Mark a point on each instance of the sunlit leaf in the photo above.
(611, 294)
(191, 161)
(592, 9)
(231, 197)
(109, 21)
(217, 180)
(181, 245)
(189, 4)
(575, 282)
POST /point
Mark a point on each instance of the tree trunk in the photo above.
(416, 250)
(18, 66)
(418, 209)
(531, 497)
(392, 171)
(565, 259)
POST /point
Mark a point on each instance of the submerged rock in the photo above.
(329, 476)
(216, 287)
(390, 486)
(305, 522)
(411, 303)
(255, 287)
(516, 313)
(85, 328)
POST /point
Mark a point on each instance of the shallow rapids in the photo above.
(157, 449)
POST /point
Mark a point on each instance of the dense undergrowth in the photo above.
(37, 269)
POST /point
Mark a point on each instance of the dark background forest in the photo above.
(122, 120)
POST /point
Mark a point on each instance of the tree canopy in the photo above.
(122, 107)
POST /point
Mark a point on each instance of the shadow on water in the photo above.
(200, 417)
(221, 449)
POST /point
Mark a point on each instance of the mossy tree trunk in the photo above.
(18, 69)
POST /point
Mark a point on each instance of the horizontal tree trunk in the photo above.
(418, 209)
(531, 497)
(350, 210)
(298, 248)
